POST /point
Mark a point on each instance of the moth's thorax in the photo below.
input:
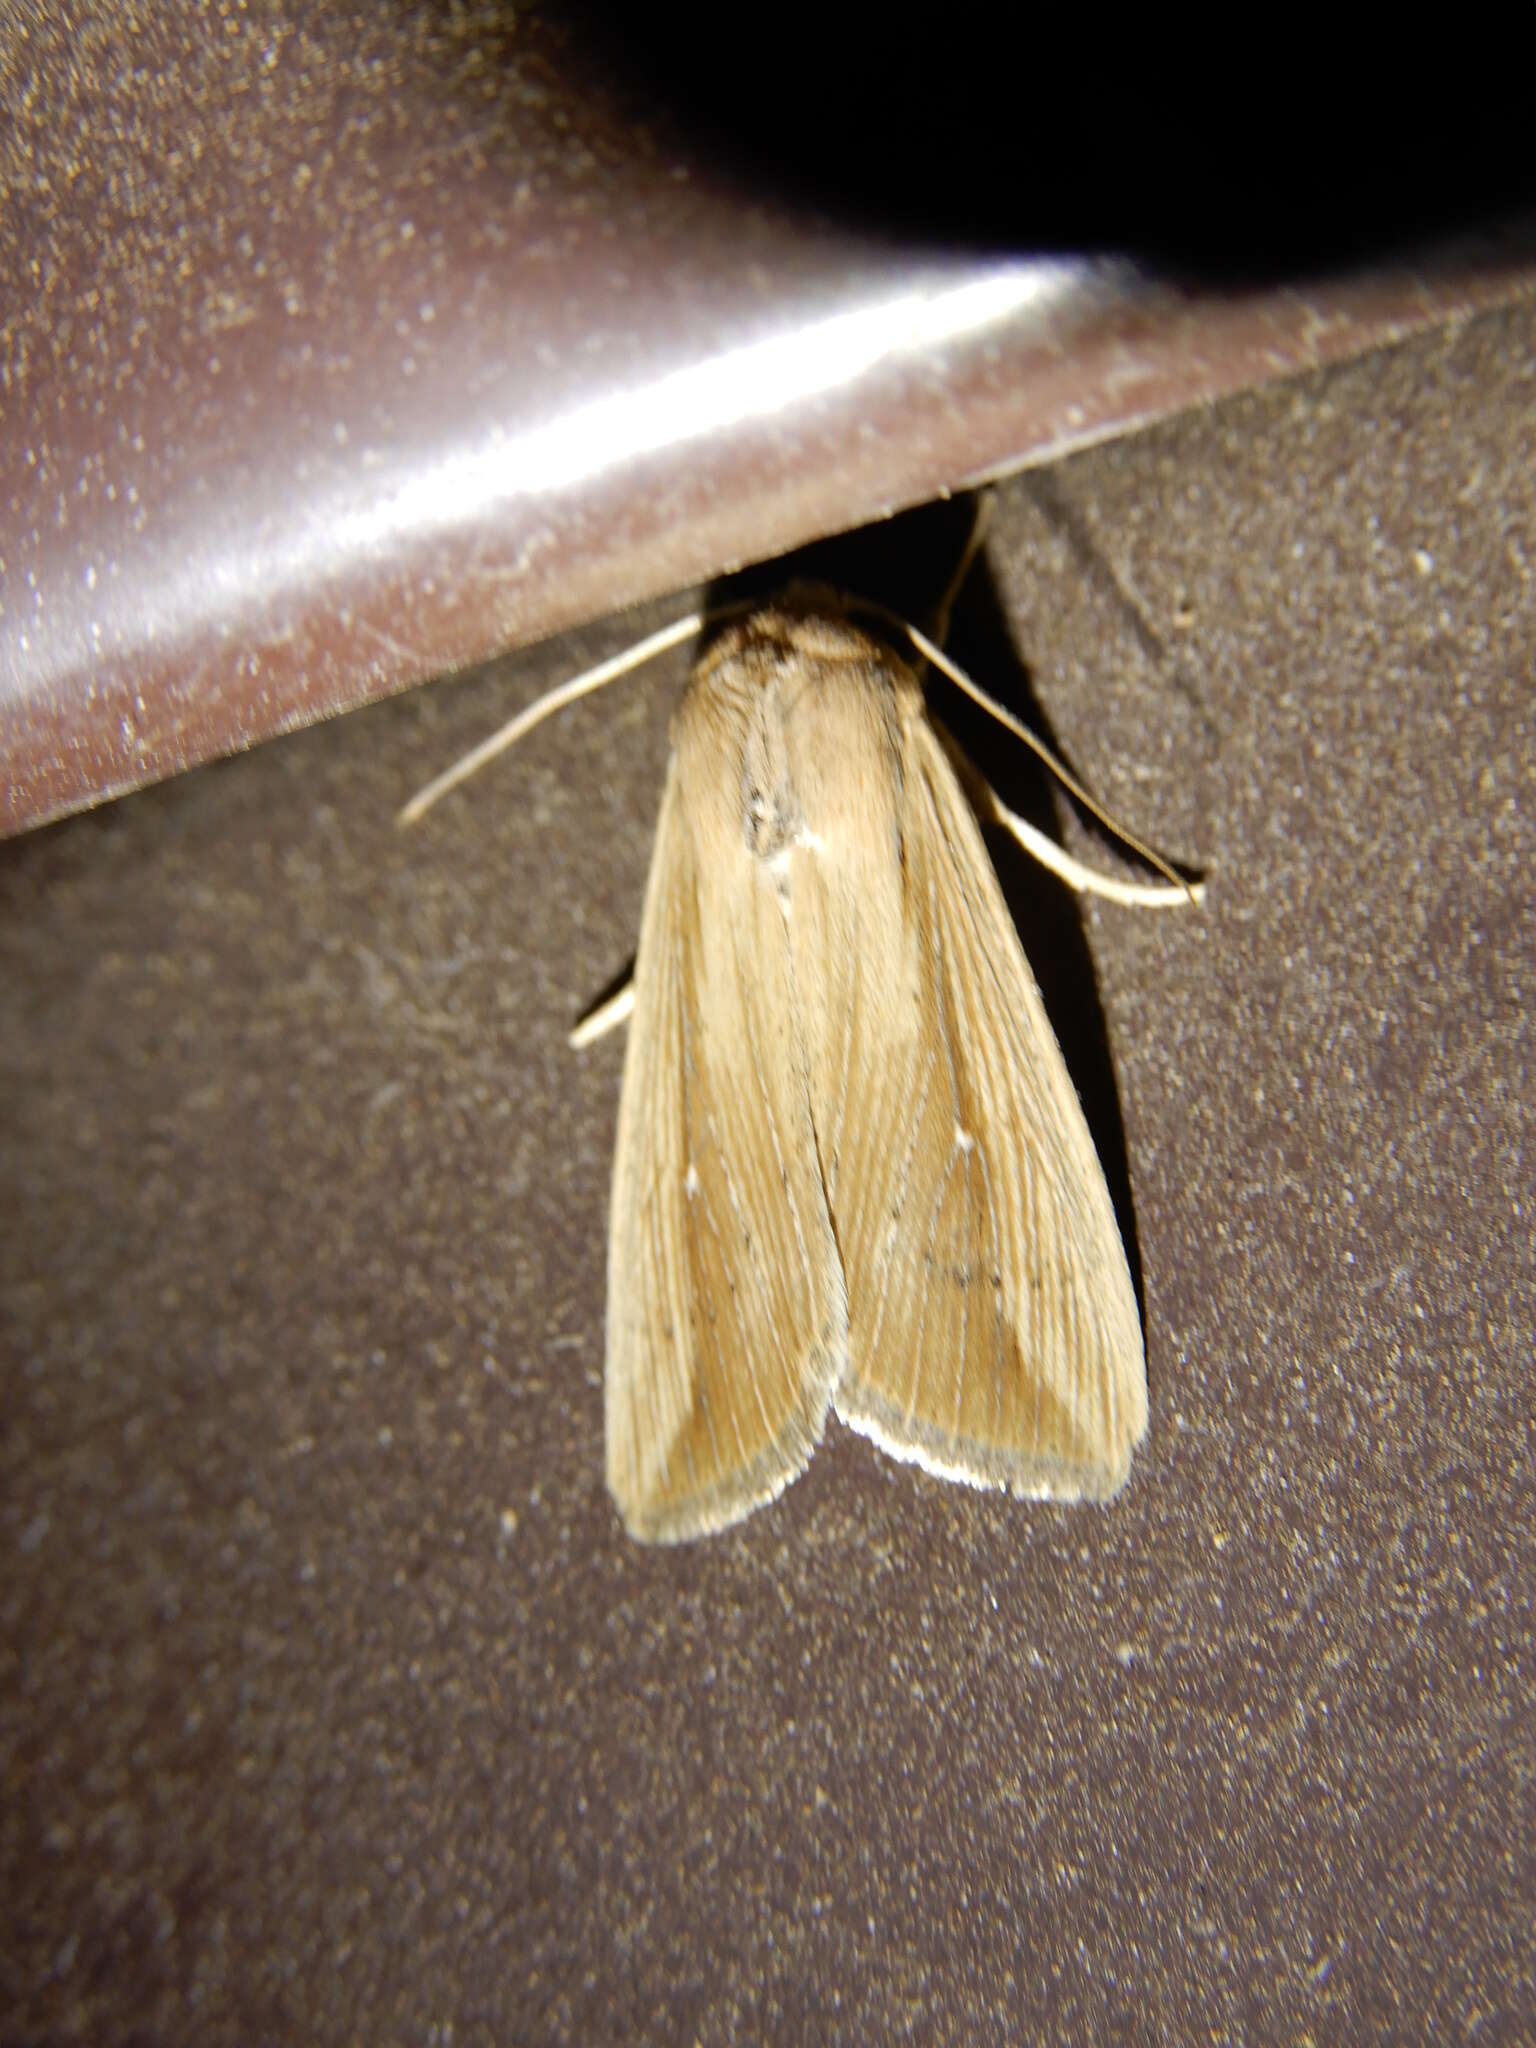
(789, 737)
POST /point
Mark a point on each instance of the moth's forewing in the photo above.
(994, 1335)
(993, 1331)
(727, 1322)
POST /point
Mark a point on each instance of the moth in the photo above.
(852, 1173)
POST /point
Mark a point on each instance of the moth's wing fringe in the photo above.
(748, 1487)
(972, 1463)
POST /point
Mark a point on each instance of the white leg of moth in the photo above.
(606, 1017)
(1088, 881)
(991, 810)
(1191, 892)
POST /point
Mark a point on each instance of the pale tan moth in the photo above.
(851, 1170)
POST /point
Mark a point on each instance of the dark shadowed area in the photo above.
(335, 1705)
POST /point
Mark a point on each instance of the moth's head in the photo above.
(807, 623)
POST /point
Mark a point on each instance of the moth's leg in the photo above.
(607, 1016)
(991, 810)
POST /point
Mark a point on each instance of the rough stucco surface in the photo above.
(334, 1704)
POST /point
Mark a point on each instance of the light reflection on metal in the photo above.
(740, 387)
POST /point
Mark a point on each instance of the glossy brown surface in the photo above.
(346, 346)
(334, 1704)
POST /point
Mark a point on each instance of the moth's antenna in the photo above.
(1033, 741)
(543, 707)
(981, 519)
